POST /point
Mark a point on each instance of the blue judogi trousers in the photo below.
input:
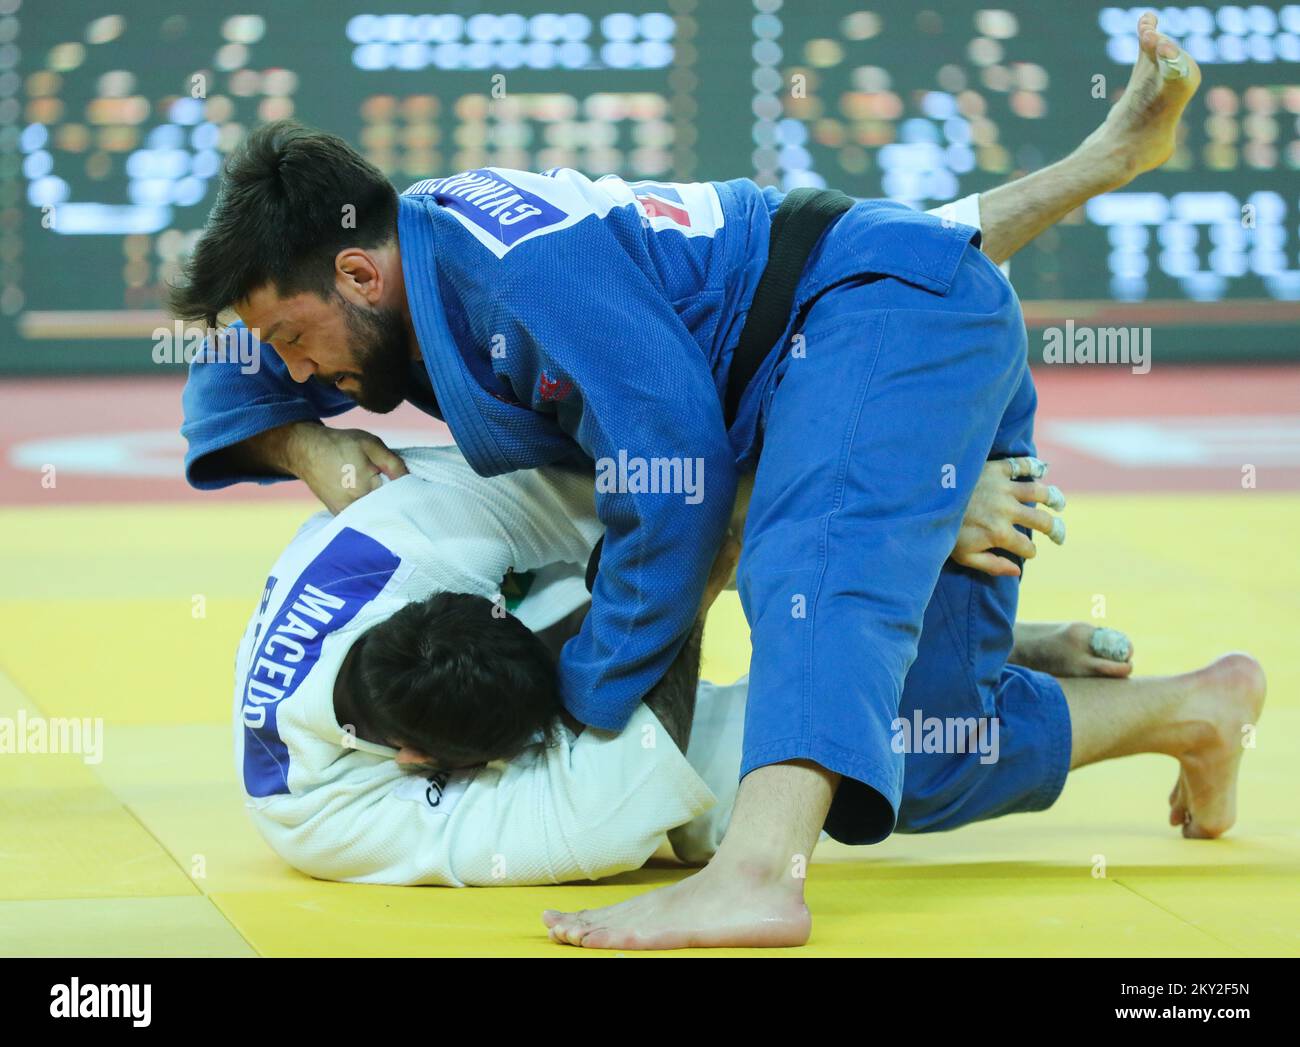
(875, 430)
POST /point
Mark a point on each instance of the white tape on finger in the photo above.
(1031, 467)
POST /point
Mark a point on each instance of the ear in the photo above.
(412, 759)
(358, 276)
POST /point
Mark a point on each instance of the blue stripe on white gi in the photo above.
(345, 576)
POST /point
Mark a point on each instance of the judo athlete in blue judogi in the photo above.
(863, 359)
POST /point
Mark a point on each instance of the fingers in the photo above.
(348, 465)
(1043, 522)
(1026, 466)
(1015, 542)
(388, 463)
(1036, 519)
(991, 564)
(993, 524)
(1033, 493)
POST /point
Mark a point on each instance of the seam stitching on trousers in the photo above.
(823, 537)
(950, 623)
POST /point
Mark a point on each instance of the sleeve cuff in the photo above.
(966, 211)
(222, 431)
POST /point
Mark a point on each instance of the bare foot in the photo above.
(716, 907)
(1226, 696)
(1064, 649)
(1140, 131)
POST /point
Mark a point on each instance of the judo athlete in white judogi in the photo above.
(339, 807)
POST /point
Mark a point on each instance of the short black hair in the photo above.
(458, 678)
(279, 219)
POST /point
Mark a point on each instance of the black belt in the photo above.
(797, 225)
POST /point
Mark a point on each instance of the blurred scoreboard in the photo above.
(115, 120)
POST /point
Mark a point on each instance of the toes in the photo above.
(1110, 644)
(568, 933)
(1173, 61)
(567, 928)
(602, 938)
(1109, 669)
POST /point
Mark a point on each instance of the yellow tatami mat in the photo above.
(148, 851)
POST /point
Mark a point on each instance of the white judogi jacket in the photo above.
(339, 808)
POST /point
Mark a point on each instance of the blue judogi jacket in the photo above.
(561, 318)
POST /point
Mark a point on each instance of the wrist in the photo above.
(285, 447)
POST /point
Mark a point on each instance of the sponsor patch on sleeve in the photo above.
(498, 210)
